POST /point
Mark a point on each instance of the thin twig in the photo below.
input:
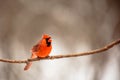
(105, 48)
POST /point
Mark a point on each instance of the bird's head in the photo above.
(48, 39)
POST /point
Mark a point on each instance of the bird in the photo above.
(42, 49)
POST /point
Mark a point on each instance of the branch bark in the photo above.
(105, 48)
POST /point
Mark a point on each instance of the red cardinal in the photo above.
(42, 49)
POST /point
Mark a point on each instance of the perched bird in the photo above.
(41, 49)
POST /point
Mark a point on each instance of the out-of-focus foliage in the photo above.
(75, 26)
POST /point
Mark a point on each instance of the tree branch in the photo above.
(105, 48)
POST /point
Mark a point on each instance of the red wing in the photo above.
(36, 48)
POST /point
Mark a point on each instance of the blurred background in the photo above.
(75, 26)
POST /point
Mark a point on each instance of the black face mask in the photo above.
(48, 43)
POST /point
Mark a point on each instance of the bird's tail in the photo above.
(28, 65)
